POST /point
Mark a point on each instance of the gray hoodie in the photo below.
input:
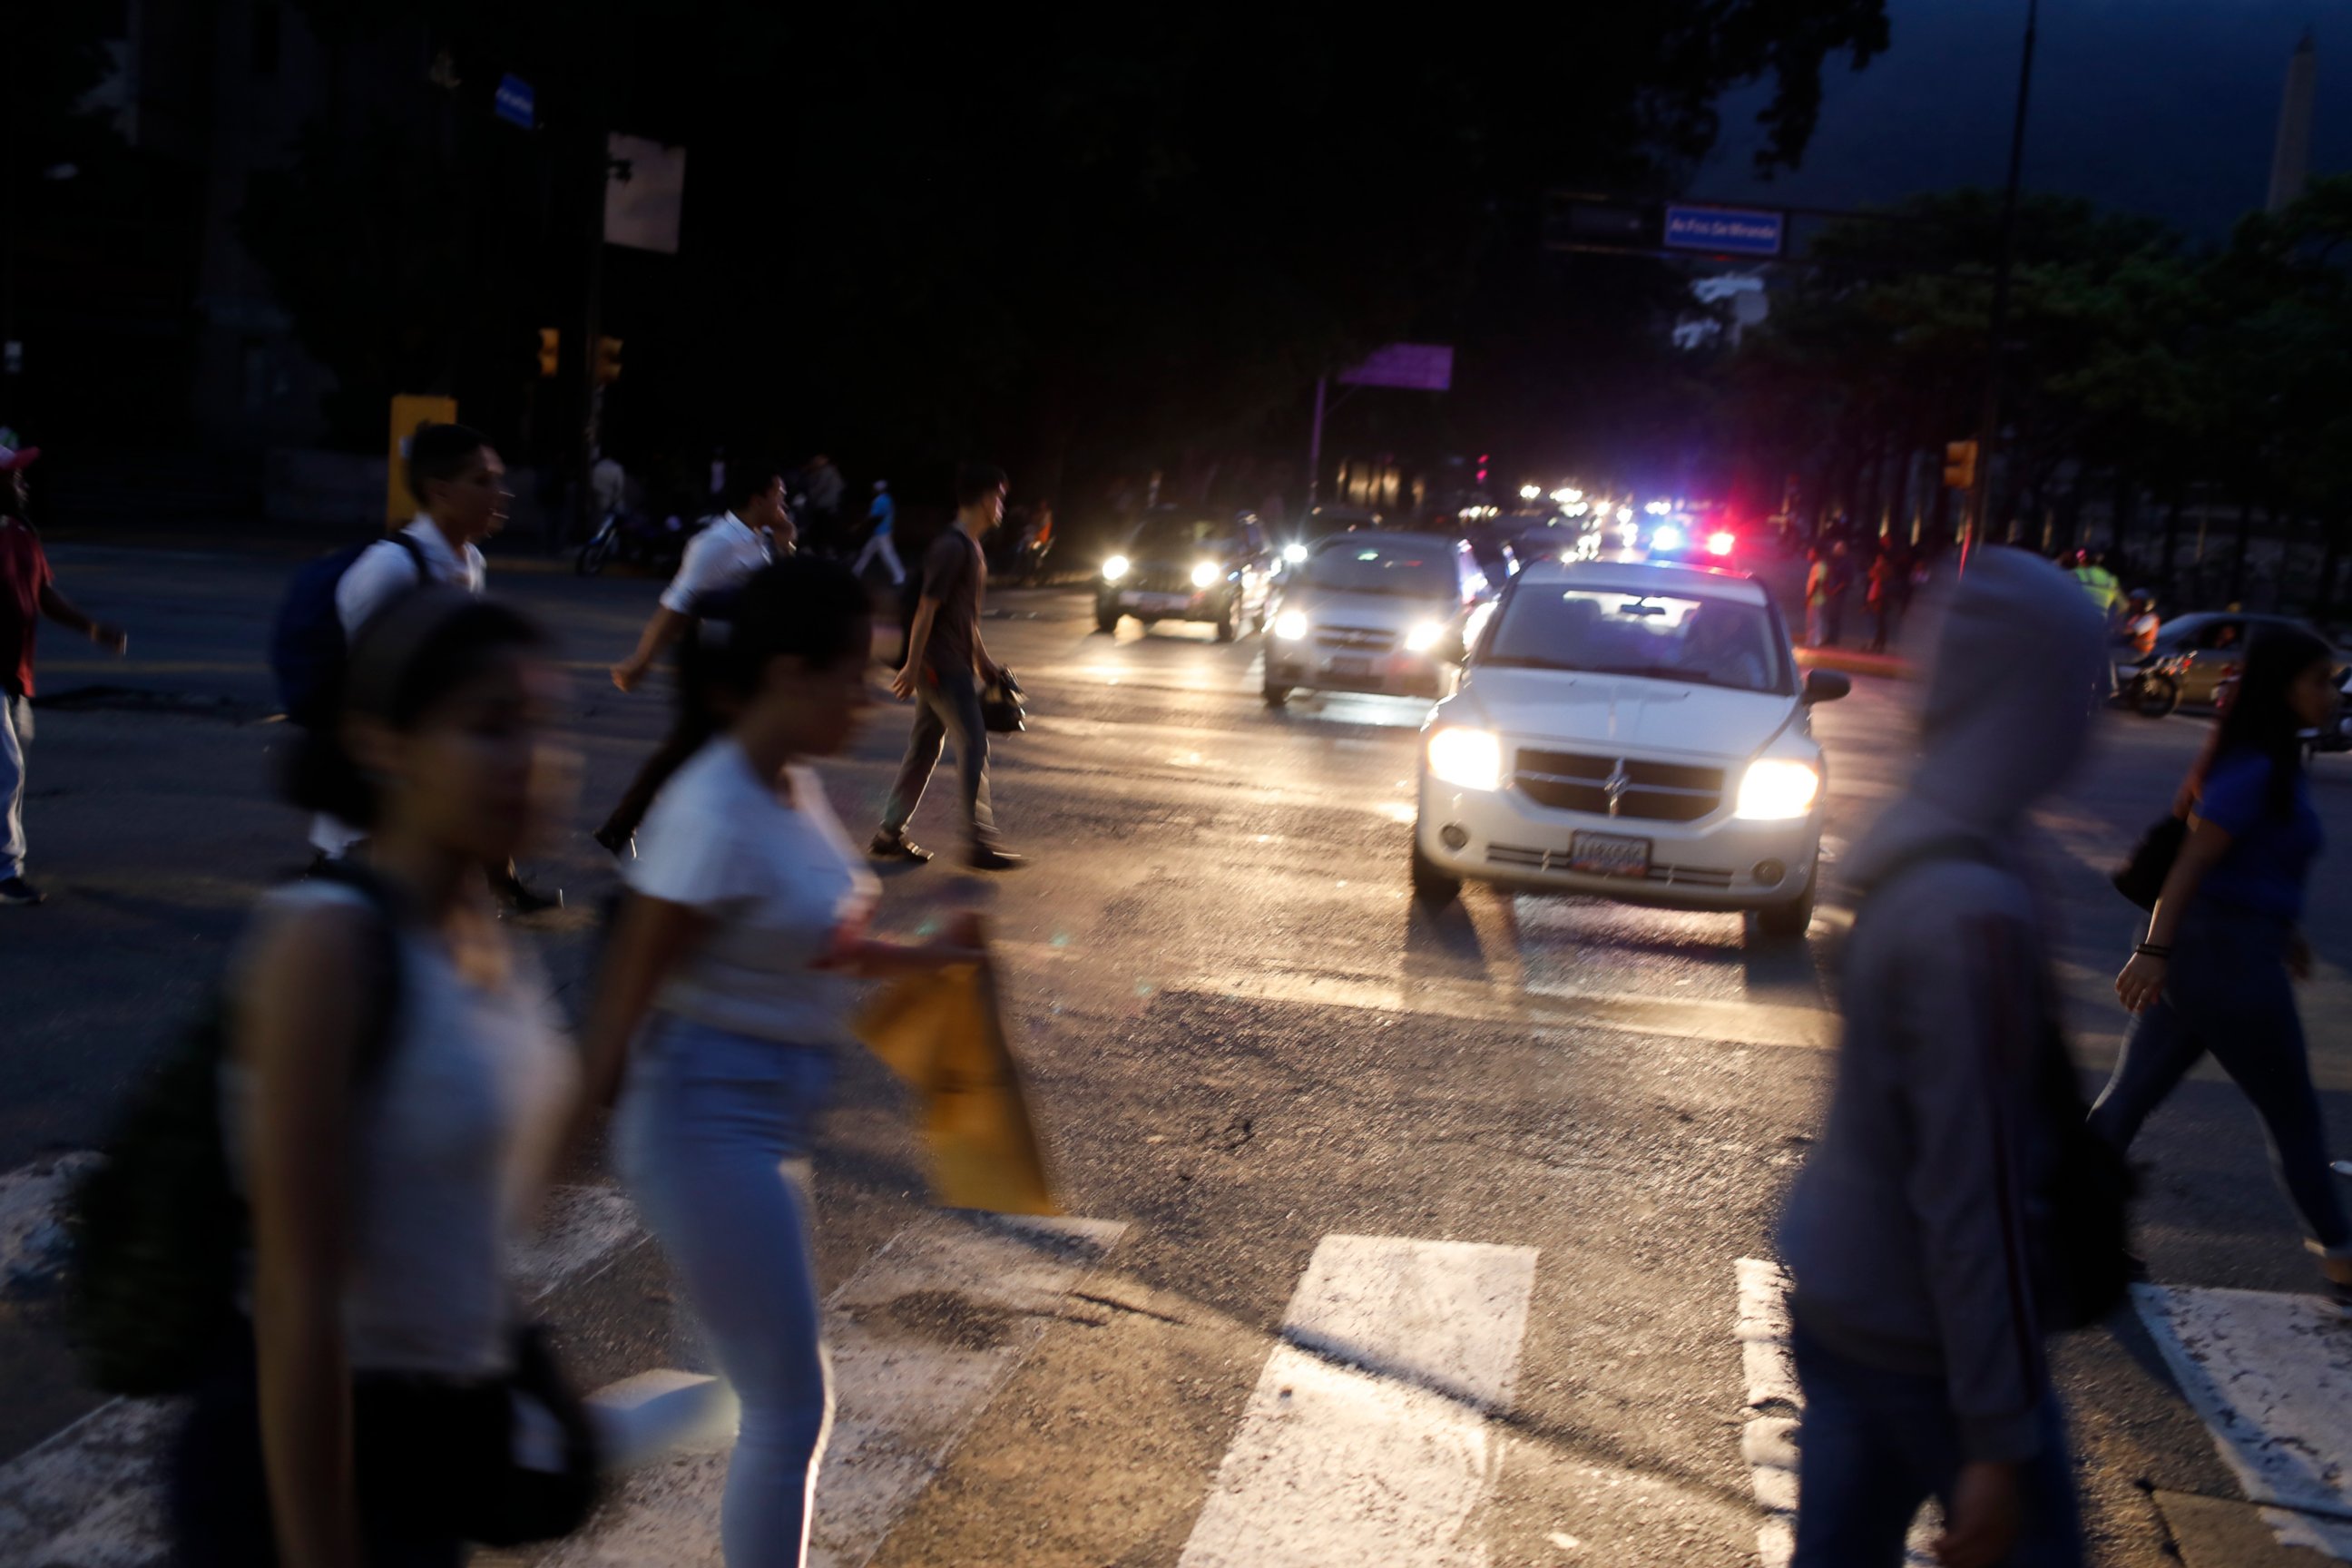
(1910, 1234)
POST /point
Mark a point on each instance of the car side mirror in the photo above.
(1825, 686)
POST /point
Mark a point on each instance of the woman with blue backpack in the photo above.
(2223, 948)
(393, 1089)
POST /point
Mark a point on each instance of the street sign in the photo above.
(1725, 231)
(516, 104)
(1418, 367)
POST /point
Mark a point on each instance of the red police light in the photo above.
(1720, 543)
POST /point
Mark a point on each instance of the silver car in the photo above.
(1373, 612)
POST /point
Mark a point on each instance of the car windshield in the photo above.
(1381, 566)
(1168, 536)
(1666, 637)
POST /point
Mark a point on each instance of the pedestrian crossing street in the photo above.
(1376, 1435)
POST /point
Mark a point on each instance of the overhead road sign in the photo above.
(517, 104)
(1726, 231)
(1417, 367)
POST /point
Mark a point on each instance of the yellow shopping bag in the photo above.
(943, 1035)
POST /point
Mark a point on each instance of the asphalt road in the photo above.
(1241, 1040)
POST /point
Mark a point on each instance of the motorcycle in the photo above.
(655, 548)
(2150, 688)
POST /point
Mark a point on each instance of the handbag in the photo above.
(2141, 877)
(1000, 707)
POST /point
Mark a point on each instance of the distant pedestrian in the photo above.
(608, 484)
(1817, 597)
(2216, 973)
(718, 561)
(28, 591)
(946, 668)
(882, 521)
(1838, 585)
(825, 487)
(1886, 575)
(745, 928)
(459, 483)
(397, 1087)
(1917, 1235)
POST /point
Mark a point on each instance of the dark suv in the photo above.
(1183, 566)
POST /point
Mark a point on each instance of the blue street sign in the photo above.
(516, 102)
(1725, 231)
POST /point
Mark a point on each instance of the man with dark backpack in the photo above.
(1954, 1209)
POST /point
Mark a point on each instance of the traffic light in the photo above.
(550, 346)
(1960, 465)
(608, 361)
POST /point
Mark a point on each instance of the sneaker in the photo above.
(619, 845)
(16, 891)
(988, 857)
(890, 846)
(521, 897)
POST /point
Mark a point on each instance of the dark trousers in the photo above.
(1874, 1444)
(945, 704)
(2227, 990)
(691, 726)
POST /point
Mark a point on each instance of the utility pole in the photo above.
(1989, 419)
(1315, 447)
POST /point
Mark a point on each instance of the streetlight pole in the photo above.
(1989, 418)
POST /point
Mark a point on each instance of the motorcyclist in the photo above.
(2141, 623)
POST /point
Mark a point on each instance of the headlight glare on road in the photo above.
(1205, 573)
(1115, 568)
(1291, 625)
(1295, 554)
(1423, 637)
(1775, 790)
(1467, 759)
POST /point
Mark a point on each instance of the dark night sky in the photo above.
(2165, 106)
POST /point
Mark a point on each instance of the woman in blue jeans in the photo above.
(2216, 972)
(725, 990)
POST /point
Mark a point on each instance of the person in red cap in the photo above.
(28, 592)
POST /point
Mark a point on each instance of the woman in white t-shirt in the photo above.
(747, 927)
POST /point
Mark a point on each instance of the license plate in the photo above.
(1347, 664)
(1609, 855)
(1154, 602)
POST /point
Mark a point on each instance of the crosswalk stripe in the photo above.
(2270, 1376)
(1366, 1441)
(92, 1493)
(921, 1338)
(1768, 1438)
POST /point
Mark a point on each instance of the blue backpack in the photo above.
(307, 647)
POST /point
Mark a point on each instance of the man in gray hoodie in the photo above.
(1911, 1235)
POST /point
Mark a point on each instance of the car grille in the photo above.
(1522, 858)
(1355, 639)
(1654, 792)
(1151, 579)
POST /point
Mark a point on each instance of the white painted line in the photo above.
(91, 1495)
(1366, 1442)
(921, 1338)
(2270, 1375)
(1775, 1415)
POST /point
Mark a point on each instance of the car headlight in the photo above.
(1206, 573)
(1467, 759)
(1115, 568)
(1291, 625)
(1294, 554)
(1775, 790)
(1423, 637)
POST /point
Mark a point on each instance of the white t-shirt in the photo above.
(722, 556)
(783, 884)
(384, 571)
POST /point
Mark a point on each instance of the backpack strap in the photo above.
(415, 552)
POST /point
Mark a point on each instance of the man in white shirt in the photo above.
(717, 561)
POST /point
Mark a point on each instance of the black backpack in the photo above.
(307, 647)
(2083, 1249)
(158, 1229)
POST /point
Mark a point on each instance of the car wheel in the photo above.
(1791, 920)
(2156, 696)
(1229, 624)
(1105, 619)
(1432, 886)
(592, 556)
(1275, 696)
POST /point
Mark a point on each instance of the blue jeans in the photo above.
(15, 734)
(1875, 1445)
(2227, 990)
(706, 1127)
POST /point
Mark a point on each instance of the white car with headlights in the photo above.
(1373, 612)
(1633, 731)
